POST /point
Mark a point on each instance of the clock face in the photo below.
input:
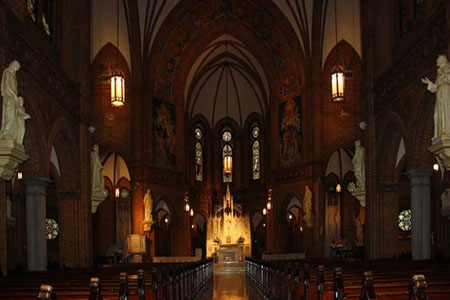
(109, 119)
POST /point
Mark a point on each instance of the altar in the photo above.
(228, 232)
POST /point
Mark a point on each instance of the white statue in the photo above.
(13, 114)
(442, 89)
(359, 166)
(148, 207)
(98, 182)
(307, 205)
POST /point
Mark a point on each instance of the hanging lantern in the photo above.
(228, 164)
(264, 211)
(187, 207)
(269, 205)
(117, 89)
(117, 192)
(191, 212)
(436, 167)
(337, 84)
(338, 188)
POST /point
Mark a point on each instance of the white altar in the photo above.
(228, 232)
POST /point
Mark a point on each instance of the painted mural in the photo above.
(290, 131)
(164, 137)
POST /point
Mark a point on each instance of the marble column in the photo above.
(420, 213)
(36, 191)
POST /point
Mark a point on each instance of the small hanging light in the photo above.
(337, 84)
(264, 211)
(337, 75)
(338, 188)
(269, 205)
(187, 207)
(117, 78)
(191, 212)
(436, 167)
(117, 89)
(117, 192)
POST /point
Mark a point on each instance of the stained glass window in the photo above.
(32, 8)
(227, 150)
(227, 136)
(198, 133)
(409, 10)
(106, 193)
(256, 154)
(404, 220)
(52, 229)
(198, 162)
(47, 17)
(255, 160)
(124, 193)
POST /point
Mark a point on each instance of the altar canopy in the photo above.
(228, 232)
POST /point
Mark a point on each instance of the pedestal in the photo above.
(11, 155)
(361, 196)
(148, 225)
(135, 248)
(441, 148)
(96, 199)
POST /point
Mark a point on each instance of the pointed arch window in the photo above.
(227, 150)
(47, 17)
(41, 13)
(32, 8)
(256, 154)
(199, 154)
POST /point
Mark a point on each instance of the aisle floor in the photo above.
(230, 287)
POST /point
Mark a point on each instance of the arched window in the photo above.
(42, 16)
(227, 150)
(198, 154)
(409, 10)
(32, 8)
(256, 154)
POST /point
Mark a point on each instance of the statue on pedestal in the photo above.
(148, 207)
(98, 182)
(442, 89)
(359, 166)
(13, 113)
(307, 205)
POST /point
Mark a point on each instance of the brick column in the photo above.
(36, 192)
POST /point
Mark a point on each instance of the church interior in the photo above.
(225, 149)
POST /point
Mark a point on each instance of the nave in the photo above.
(254, 280)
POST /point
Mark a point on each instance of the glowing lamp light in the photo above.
(264, 224)
(436, 167)
(269, 205)
(192, 226)
(290, 217)
(228, 164)
(191, 212)
(166, 220)
(187, 207)
(117, 89)
(117, 192)
(337, 84)
(19, 175)
(338, 188)
(264, 211)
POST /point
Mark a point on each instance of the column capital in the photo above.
(36, 186)
(419, 176)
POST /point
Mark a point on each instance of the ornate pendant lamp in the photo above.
(337, 75)
(117, 78)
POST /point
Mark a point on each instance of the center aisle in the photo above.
(230, 282)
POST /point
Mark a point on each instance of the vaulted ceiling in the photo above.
(313, 21)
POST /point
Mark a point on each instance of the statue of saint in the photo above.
(359, 166)
(13, 114)
(442, 89)
(307, 205)
(98, 182)
(148, 207)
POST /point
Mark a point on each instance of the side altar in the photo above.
(228, 232)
